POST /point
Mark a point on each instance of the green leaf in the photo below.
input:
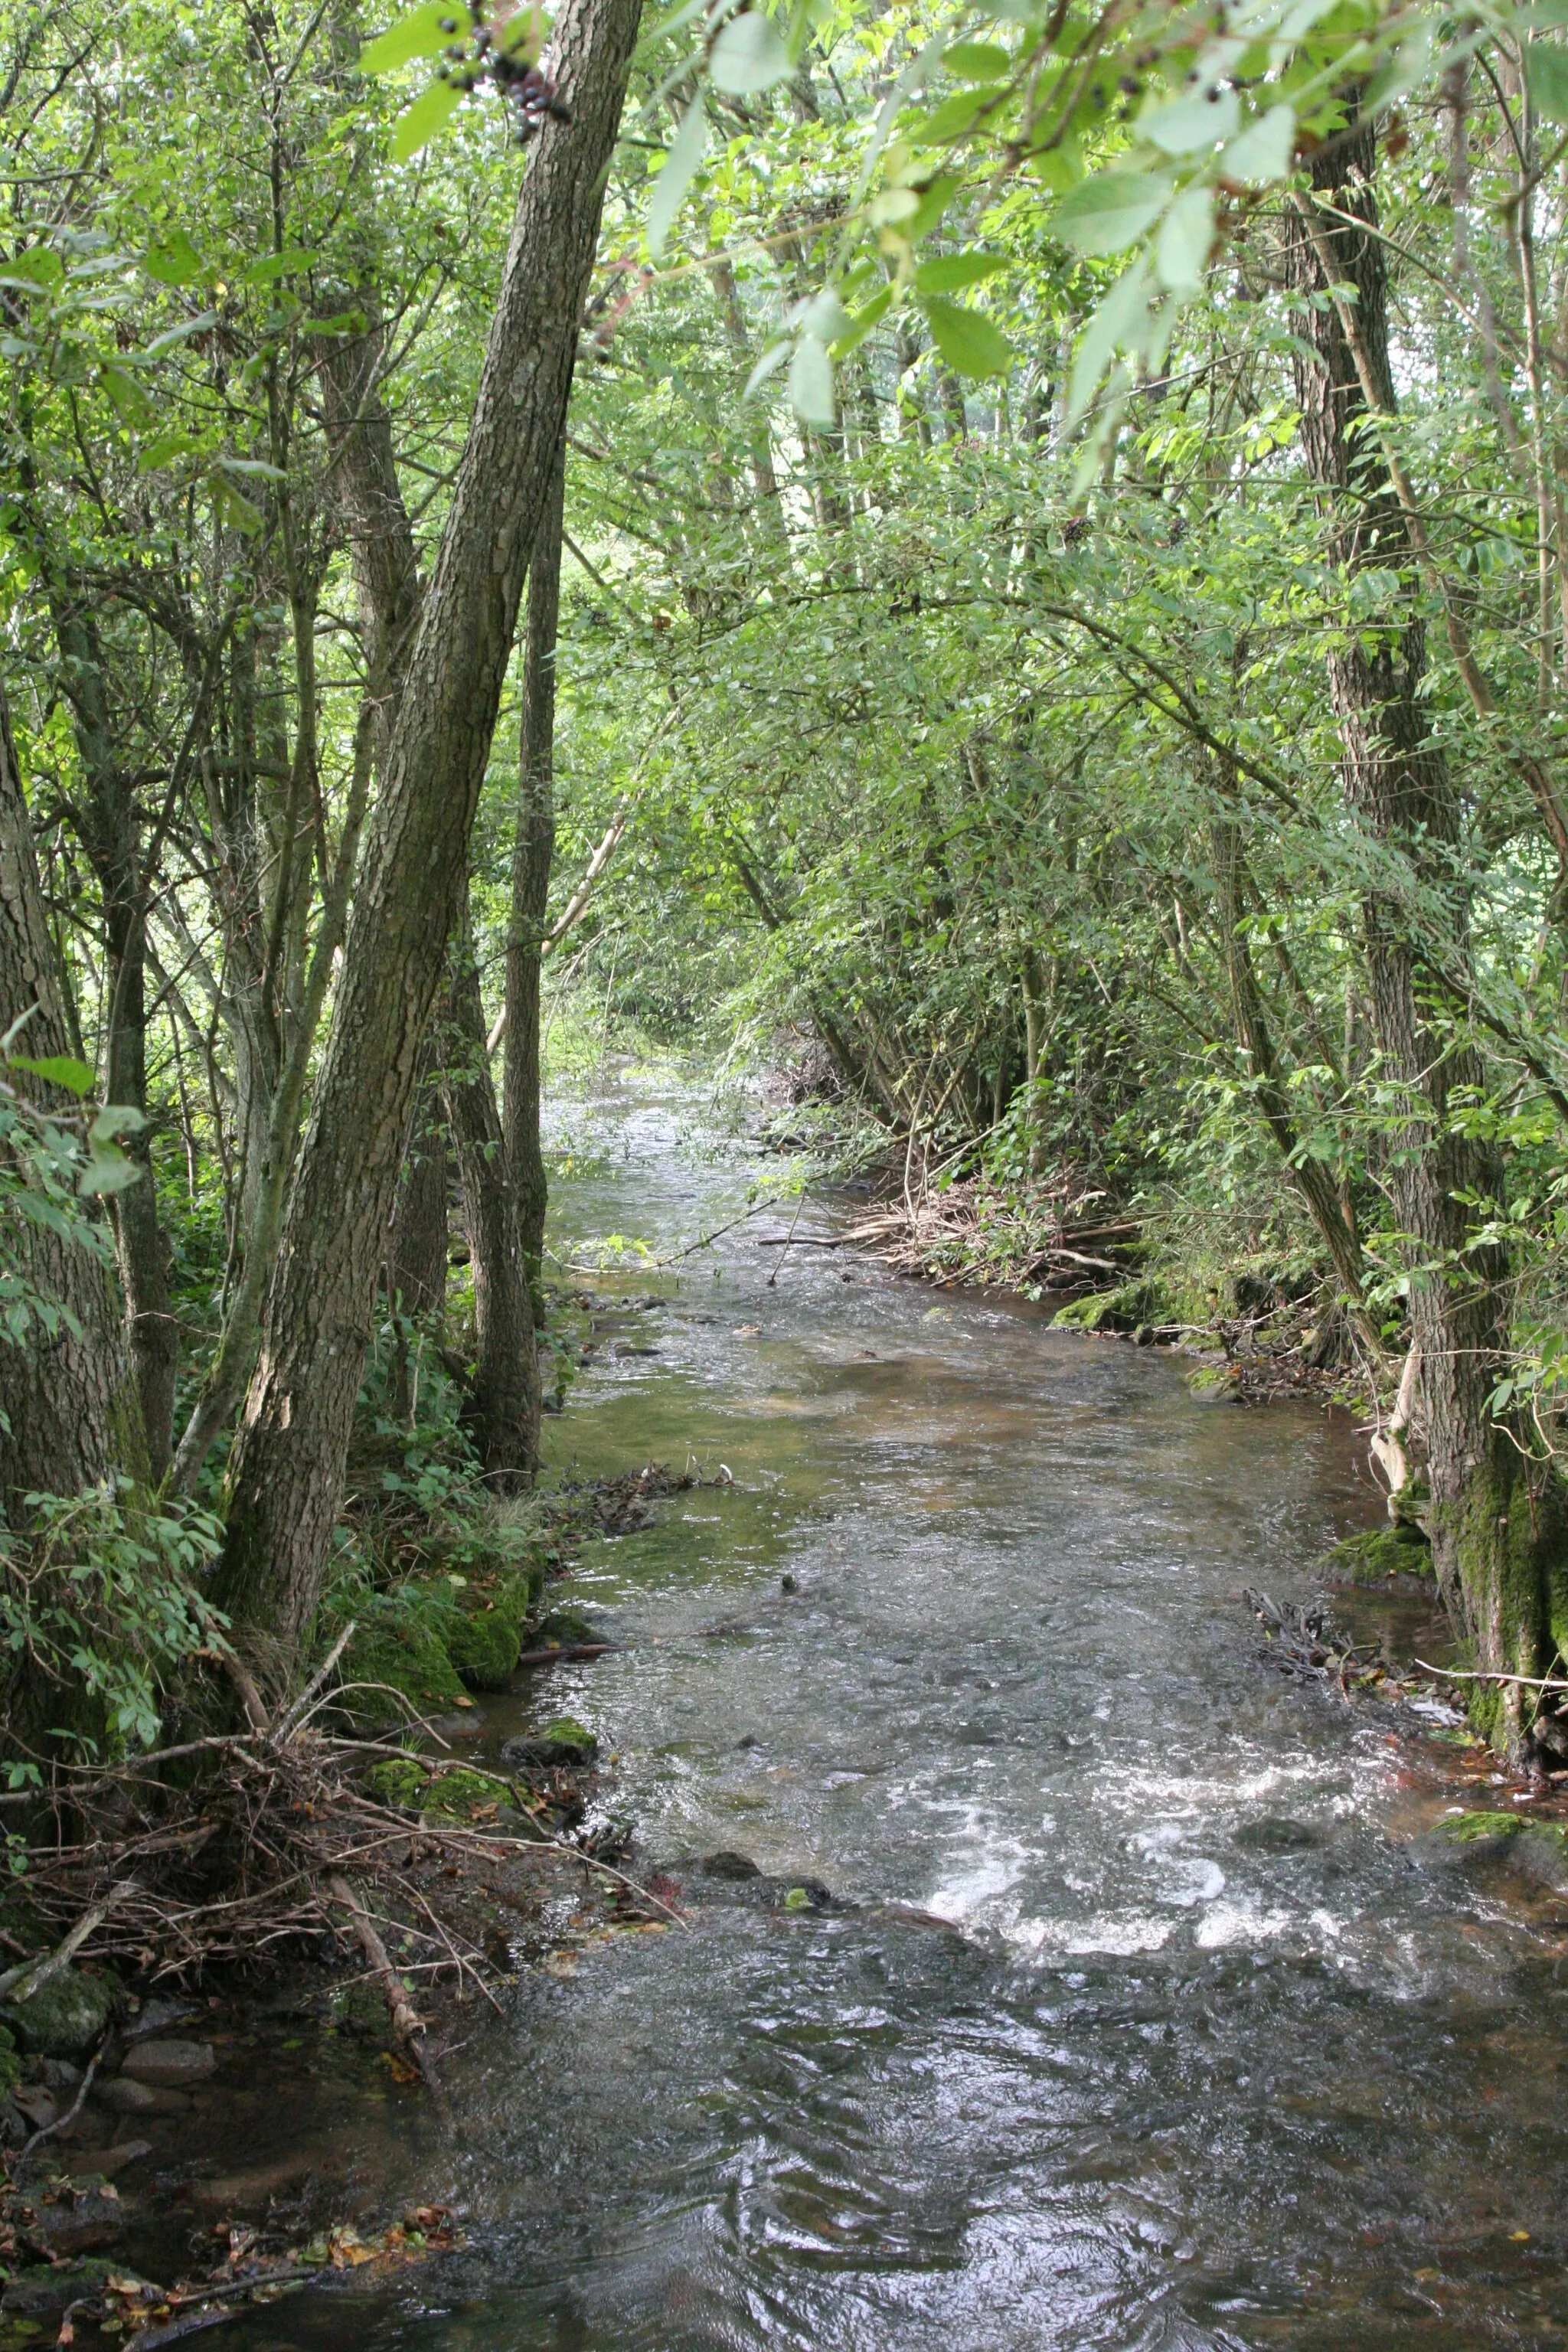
(1264, 151)
(59, 1070)
(1122, 321)
(115, 1119)
(948, 273)
(1185, 240)
(174, 263)
(861, 324)
(1110, 212)
(180, 334)
(747, 56)
(811, 382)
(822, 316)
(977, 61)
(1546, 76)
(1190, 126)
(967, 340)
(108, 1170)
(772, 359)
(129, 401)
(165, 451)
(41, 266)
(422, 120)
(287, 264)
(233, 506)
(949, 121)
(425, 32)
(683, 160)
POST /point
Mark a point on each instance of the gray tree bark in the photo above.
(533, 851)
(72, 1410)
(287, 1471)
(1491, 1542)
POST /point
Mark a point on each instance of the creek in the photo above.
(1133, 2024)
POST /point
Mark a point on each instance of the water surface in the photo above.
(1133, 2024)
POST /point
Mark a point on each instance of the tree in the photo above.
(288, 1466)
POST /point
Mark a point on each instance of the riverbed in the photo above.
(1089, 1995)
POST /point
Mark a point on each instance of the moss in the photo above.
(1366, 1558)
(397, 1644)
(564, 1742)
(1468, 1829)
(483, 1625)
(398, 1781)
(65, 2018)
(1213, 1384)
(10, 2065)
(458, 1795)
(1124, 1309)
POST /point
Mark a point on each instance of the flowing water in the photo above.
(1133, 2022)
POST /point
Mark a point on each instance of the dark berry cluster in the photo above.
(484, 56)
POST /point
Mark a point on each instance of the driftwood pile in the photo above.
(966, 1234)
(237, 1846)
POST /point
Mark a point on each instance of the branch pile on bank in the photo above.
(1053, 1238)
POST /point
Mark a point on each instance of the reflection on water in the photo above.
(1132, 2026)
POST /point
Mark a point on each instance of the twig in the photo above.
(407, 2025)
(1469, 1674)
(62, 2123)
(317, 1682)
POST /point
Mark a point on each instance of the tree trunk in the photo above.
(1491, 1542)
(533, 850)
(72, 1409)
(505, 1406)
(286, 1478)
(417, 1240)
(111, 833)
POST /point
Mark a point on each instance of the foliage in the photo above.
(101, 1603)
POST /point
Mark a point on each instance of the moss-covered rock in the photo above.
(564, 1742)
(1471, 1829)
(458, 1796)
(1124, 1309)
(484, 1622)
(1213, 1384)
(399, 1781)
(1400, 1550)
(10, 2065)
(62, 2019)
(398, 1648)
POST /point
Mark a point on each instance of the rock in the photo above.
(89, 2216)
(112, 2161)
(43, 2293)
(64, 2018)
(1467, 1842)
(157, 2016)
(1277, 1835)
(169, 2066)
(38, 2103)
(565, 1741)
(1213, 1384)
(727, 1863)
(1542, 1853)
(125, 2096)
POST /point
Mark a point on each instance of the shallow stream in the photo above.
(1134, 2024)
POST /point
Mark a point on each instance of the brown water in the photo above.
(1187, 2050)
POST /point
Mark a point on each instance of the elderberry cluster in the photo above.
(481, 57)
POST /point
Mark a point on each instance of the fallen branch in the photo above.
(407, 2025)
(564, 1650)
(1471, 1674)
(19, 1984)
